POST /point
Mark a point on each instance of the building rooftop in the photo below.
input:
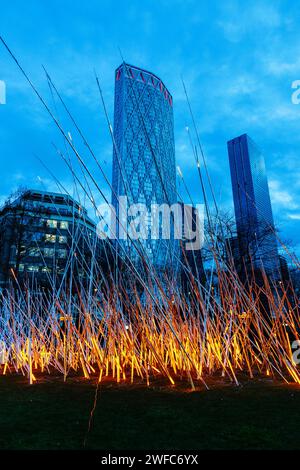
(140, 74)
(47, 197)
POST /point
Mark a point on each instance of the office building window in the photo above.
(50, 238)
(62, 253)
(62, 239)
(41, 222)
(34, 252)
(45, 269)
(64, 225)
(51, 223)
(37, 236)
(48, 252)
(33, 269)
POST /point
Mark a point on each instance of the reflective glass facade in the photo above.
(252, 204)
(144, 154)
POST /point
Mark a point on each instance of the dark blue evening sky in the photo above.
(238, 60)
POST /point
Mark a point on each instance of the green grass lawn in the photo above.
(54, 415)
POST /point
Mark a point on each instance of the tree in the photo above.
(243, 247)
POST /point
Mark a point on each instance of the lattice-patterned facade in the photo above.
(144, 153)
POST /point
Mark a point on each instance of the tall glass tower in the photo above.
(144, 155)
(252, 204)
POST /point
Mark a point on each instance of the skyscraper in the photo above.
(144, 155)
(192, 269)
(252, 205)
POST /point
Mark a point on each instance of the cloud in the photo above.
(281, 197)
(237, 59)
(240, 18)
(280, 67)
